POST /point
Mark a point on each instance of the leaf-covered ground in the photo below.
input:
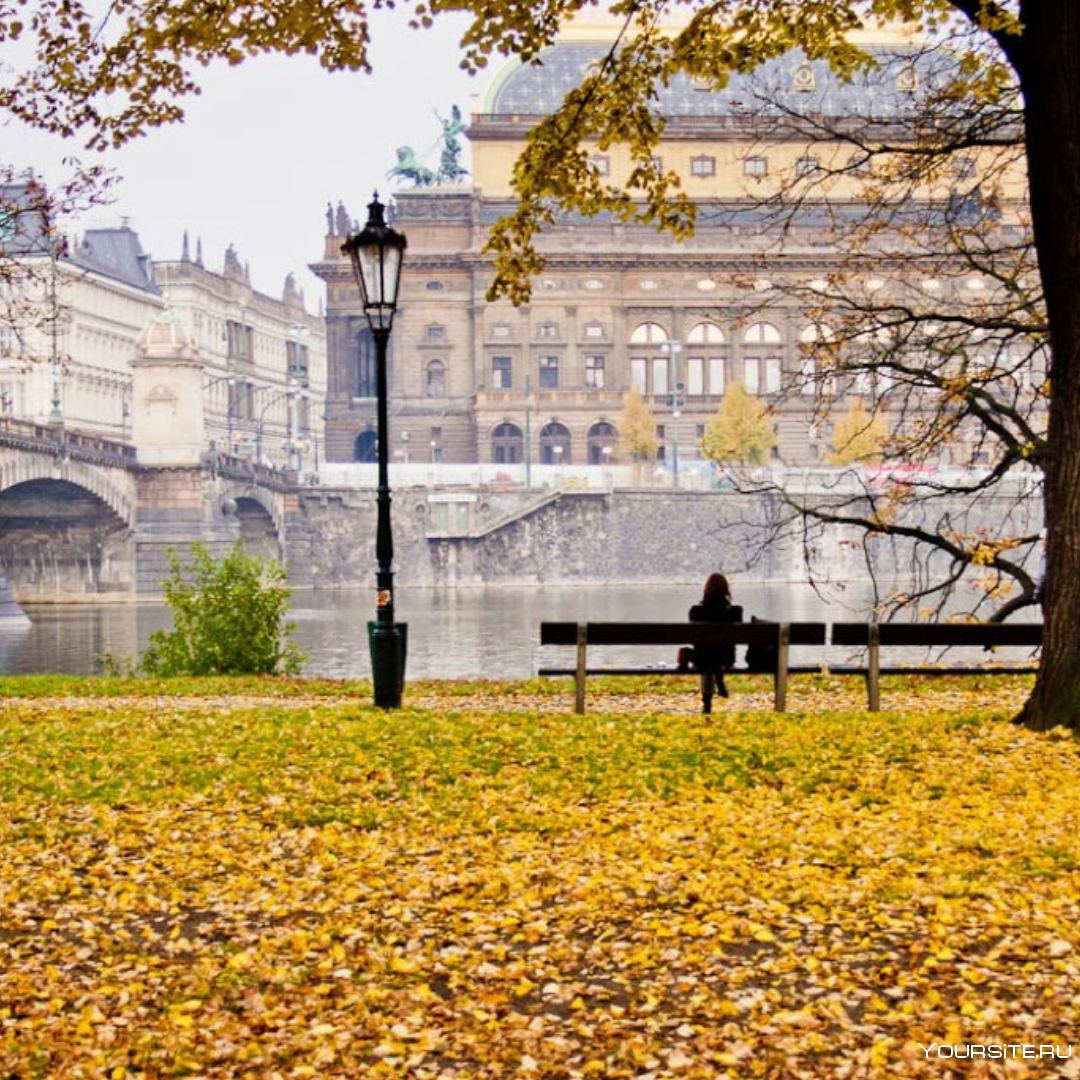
(273, 880)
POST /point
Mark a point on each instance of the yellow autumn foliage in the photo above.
(271, 883)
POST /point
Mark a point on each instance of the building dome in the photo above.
(791, 85)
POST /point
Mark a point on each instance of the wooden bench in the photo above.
(876, 636)
(582, 635)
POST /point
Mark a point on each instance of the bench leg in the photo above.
(873, 669)
(783, 644)
(579, 671)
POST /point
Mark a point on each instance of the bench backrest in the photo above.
(643, 633)
(944, 634)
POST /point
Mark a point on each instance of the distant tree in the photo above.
(637, 429)
(740, 432)
(858, 436)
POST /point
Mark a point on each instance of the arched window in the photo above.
(648, 333)
(762, 333)
(507, 444)
(761, 358)
(554, 444)
(366, 447)
(602, 436)
(705, 333)
(366, 371)
(649, 368)
(705, 363)
(436, 379)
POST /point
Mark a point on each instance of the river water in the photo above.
(453, 633)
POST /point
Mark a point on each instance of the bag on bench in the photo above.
(762, 659)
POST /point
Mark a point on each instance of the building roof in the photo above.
(790, 84)
(116, 254)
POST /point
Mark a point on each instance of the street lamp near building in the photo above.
(230, 390)
(288, 394)
(376, 254)
(673, 348)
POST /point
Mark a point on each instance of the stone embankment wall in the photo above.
(573, 538)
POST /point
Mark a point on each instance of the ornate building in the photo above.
(76, 315)
(619, 306)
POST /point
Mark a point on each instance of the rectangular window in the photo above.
(594, 330)
(806, 166)
(809, 382)
(240, 340)
(638, 375)
(548, 330)
(756, 166)
(594, 372)
(660, 375)
(703, 165)
(549, 372)
(695, 376)
(762, 374)
(296, 356)
(600, 163)
(435, 332)
(752, 374)
(502, 374)
(772, 375)
(244, 400)
(716, 375)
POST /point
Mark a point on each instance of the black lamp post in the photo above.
(376, 253)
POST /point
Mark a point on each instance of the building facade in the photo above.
(76, 316)
(622, 306)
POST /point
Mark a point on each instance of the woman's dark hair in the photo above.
(716, 585)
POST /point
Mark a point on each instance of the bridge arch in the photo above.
(21, 468)
(61, 541)
(260, 514)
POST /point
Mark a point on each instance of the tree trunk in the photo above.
(1049, 71)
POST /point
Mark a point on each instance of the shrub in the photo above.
(228, 618)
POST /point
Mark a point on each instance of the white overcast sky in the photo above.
(268, 144)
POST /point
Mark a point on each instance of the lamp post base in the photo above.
(388, 642)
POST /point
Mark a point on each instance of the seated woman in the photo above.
(711, 661)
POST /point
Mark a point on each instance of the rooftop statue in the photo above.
(450, 167)
(409, 167)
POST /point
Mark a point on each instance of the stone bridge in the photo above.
(81, 517)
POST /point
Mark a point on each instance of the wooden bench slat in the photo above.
(793, 669)
(606, 633)
(939, 634)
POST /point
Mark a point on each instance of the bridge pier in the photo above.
(178, 507)
(11, 615)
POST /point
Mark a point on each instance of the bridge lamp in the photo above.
(376, 254)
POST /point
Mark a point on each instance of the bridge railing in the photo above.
(77, 445)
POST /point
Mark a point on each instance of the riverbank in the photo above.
(269, 878)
